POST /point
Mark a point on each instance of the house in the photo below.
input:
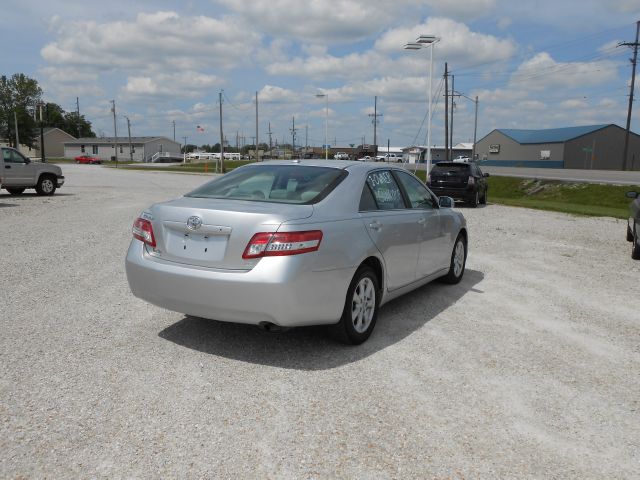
(54, 140)
(141, 149)
(597, 147)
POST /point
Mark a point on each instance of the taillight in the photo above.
(471, 181)
(143, 231)
(269, 244)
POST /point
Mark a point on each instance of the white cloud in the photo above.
(185, 84)
(153, 41)
(326, 21)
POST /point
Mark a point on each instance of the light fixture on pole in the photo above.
(422, 42)
(326, 123)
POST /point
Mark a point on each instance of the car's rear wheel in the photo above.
(484, 197)
(635, 246)
(629, 234)
(458, 261)
(46, 185)
(360, 309)
(473, 203)
(15, 191)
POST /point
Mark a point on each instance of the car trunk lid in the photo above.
(450, 175)
(213, 233)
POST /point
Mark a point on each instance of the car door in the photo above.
(393, 226)
(16, 168)
(434, 254)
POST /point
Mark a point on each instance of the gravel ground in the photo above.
(530, 368)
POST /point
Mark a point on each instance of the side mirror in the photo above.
(446, 202)
(485, 175)
(632, 194)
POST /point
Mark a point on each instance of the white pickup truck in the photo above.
(20, 173)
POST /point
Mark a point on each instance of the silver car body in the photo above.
(206, 276)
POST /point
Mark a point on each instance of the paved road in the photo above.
(581, 176)
(526, 369)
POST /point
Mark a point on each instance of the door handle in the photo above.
(375, 225)
(7, 166)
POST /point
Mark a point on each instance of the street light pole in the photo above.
(420, 43)
(326, 123)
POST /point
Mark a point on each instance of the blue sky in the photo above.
(541, 64)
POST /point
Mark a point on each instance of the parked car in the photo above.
(88, 159)
(633, 225)
(341, 156)
(461, 181)
(20, 173)
(286, 244)
(389, 157)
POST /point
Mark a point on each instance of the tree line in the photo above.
(21, 102)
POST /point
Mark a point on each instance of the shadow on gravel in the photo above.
(35, 195)
(310, 348)
(3, 205)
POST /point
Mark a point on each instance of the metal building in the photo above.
(596, 147)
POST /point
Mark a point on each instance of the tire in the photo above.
(484, 197)
(473, 203)
(629, 234)
(458, 261)
(46, 185)
(360, 308)
(15, 191)
(635, 246)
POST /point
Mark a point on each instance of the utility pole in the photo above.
(269, 133)
(130, 146)
(174, 130)
(15, 121)
(306, 138)
(115, 130)
(78, 113)
(221, 136)
(42, 156)
(475, 131)
(257, 155)
(633, 81)
(446, 113)
(293, 137)
(454, 94)
(375, 116)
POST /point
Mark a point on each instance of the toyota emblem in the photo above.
(194, 222)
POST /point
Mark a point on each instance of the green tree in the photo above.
(19, 94)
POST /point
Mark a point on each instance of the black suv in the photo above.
(461, 181)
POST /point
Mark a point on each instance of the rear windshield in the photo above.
(451, 167)
(273, 183)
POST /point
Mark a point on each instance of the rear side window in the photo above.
(295, 184)
(385, 190)
(457, 168)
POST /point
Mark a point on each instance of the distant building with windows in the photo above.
(597, 147)
(141, 149)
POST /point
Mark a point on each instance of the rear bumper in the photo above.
(280, 290)
(463, 193)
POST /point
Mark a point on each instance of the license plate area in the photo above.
(196, 246)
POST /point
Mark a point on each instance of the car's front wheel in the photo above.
(361, 308)
(458, 261)
(629, 234)
(46, 185)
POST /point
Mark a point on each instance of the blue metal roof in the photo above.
(550, 135)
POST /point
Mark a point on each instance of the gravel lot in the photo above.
(530, 368)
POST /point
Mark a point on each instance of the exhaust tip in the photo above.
(271, 327)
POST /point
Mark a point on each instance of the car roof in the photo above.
(341, 164)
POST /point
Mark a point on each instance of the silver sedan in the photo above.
(290, 243)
